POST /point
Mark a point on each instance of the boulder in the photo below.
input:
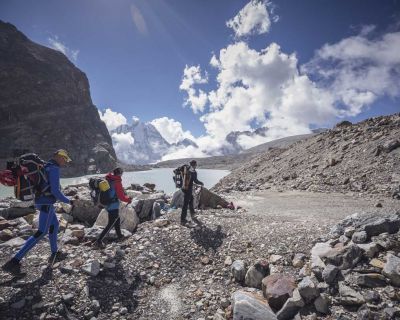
(345, 257)
(298, 260)
(84, 210)
(13, 243)
(277, 288)
(370, 249)
(247, 305)
(308, 290)
(144, 205)
(128, 218)
(16, 212)
(238, 269)
(291, 306)
(321, 304)
(381, 225)
(392, 269)
(256, 273)
(177, 199)
(209, 199)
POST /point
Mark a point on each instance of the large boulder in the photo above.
(247, 305)
(209, 199)
(144, 205)
(128, 218)
(291, 306)
(277, 288)
(84, 210)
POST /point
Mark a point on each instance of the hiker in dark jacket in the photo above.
(117, 194)
(48, 222)
(187, 188)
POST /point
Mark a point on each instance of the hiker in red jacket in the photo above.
(117, 194)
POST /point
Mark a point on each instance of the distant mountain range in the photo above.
(149, 146)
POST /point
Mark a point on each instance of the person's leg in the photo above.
(185, 206)
(117, 224)
(53, 230)
(191, 208)
(111, 219)
(44, 221)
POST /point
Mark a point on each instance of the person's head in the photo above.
(61, 157)
(118, 171)
(193, 163)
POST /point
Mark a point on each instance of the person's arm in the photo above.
(120, 192)
(195, 179)
(54, 181)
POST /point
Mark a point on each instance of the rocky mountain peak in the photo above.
(45, 105)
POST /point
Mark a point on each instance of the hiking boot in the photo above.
(12, 266)
(99, 244)
(120, 238)
(57, 256)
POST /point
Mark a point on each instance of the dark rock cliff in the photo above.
(45, 105)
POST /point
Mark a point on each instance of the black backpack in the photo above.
(101, 191)
(179, 175)
(30, 177)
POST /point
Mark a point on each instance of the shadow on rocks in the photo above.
(208, 238)
(114, 286)
(27, 289)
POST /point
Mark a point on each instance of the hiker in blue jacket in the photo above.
(48, 222)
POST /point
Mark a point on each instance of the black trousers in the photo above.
(187, 202)
(113, 219)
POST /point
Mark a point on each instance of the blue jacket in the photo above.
(53, 175)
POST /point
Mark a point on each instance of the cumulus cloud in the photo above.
(123, 143)
(252, 19)
(359, 70)
(197, 99)
(112, 119)
(171, 130)
(56, 44)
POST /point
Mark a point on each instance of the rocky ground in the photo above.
(166, 271)
(350, 158)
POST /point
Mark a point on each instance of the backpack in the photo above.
(101, 192)
(181, 177)
(28, 175)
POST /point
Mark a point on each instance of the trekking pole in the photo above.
(121, 221)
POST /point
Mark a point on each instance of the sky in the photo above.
(202, 68)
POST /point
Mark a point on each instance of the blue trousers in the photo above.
(48, 223)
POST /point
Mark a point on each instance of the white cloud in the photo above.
(252, 19)
(138, 20)
(56, 44)
(112, 119)
(358, 70)
(171, 130)
(123, 143)
(197, 100)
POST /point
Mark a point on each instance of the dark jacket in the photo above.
(192, 179)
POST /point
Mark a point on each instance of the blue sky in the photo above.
(134, 52)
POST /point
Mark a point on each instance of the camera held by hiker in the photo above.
(189, 177)
(45, 194)
(116, 194)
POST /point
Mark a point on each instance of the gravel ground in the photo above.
(173, 272)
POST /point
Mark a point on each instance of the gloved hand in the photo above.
(130, 200)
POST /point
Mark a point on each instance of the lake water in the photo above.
(162, 178)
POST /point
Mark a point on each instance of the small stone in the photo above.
(321, 304)
(274, 258)
(349, 231)
(377, 263)
(298, 260)
(95, 305)
(370, 249)
(67, 298)
(378, 205)
(349, 297)
(359, 237)
(238, 270)
(278, 288)
(371, 280)
(228, 261)
(123, 310)
(372, 297)
(248, 305)
(256, 274)
(329, 274)
(205, 260)
(308, 290)
(92, 268)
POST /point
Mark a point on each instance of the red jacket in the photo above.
(119, 190)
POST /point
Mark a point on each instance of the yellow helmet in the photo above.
(64, 154)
